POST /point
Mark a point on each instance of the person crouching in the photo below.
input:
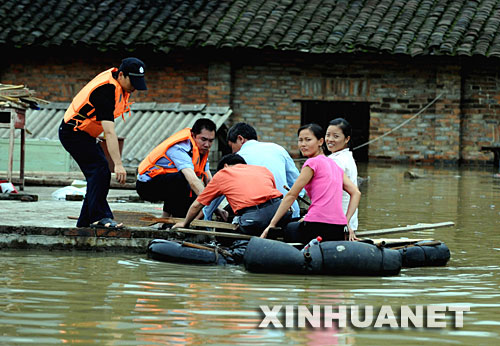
(250, 191)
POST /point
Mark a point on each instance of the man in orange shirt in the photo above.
(250, 191)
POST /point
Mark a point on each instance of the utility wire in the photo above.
(403, 123)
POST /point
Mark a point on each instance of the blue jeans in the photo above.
(254, 220)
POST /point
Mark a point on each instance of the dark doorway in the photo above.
(356, 113)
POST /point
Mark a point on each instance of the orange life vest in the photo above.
(148, 165)
(89, 123)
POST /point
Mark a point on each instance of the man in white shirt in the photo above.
(242, 138)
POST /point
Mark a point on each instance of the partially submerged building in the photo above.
(279, 64)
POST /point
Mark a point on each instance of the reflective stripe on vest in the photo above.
(148, 165)
(89, 124)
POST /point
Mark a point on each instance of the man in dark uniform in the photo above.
(91, 112)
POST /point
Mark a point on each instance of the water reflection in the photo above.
(124, 299)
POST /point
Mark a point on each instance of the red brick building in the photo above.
(280, 64)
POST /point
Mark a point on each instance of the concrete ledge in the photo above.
(87, 239)
(46, 178)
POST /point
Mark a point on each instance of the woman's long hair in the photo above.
(345, 127)
(317, 131)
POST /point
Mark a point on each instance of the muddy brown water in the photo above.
(50, 298)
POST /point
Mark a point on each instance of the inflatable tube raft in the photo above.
(328, 258)
(425, 254)
(170, 251)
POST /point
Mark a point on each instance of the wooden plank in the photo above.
(211, 233)
(194, 223)
(132, 218)
(128, 218)
(74, 197)
(143, 219)
(11, 146)
(409, 228)
(22, 159)
(24, 197)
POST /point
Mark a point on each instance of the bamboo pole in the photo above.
(303, 200)
(211, 233)
(430, 243)
(196, 223)
(409, 228)
(202, 247)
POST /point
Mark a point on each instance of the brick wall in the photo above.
(58, 77)
(266, 90)
(480, 111)
(219, 83)
(264, 96)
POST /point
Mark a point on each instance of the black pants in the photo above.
(91, 159)
(303, 232)
(253, 221)
(172, 188)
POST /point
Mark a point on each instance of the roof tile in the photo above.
(412, 27)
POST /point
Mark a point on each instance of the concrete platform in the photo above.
(45, 224)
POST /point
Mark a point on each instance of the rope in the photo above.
(403, 123)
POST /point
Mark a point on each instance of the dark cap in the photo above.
(134, 68)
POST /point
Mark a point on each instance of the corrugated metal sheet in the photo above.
(148, 126)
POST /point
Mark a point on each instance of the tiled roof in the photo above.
(149, 124)
(411, 27)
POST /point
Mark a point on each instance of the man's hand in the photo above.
(120, 174)
(179, 225)
(193, 181)
(223, 214)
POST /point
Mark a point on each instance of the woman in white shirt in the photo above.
(338, 141)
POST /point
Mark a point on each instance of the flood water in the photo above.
(50, 298)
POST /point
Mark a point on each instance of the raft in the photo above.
(327, 258)
(174, 252)
(425, 254)
(189, 253)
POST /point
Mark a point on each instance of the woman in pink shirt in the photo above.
(324, 182)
